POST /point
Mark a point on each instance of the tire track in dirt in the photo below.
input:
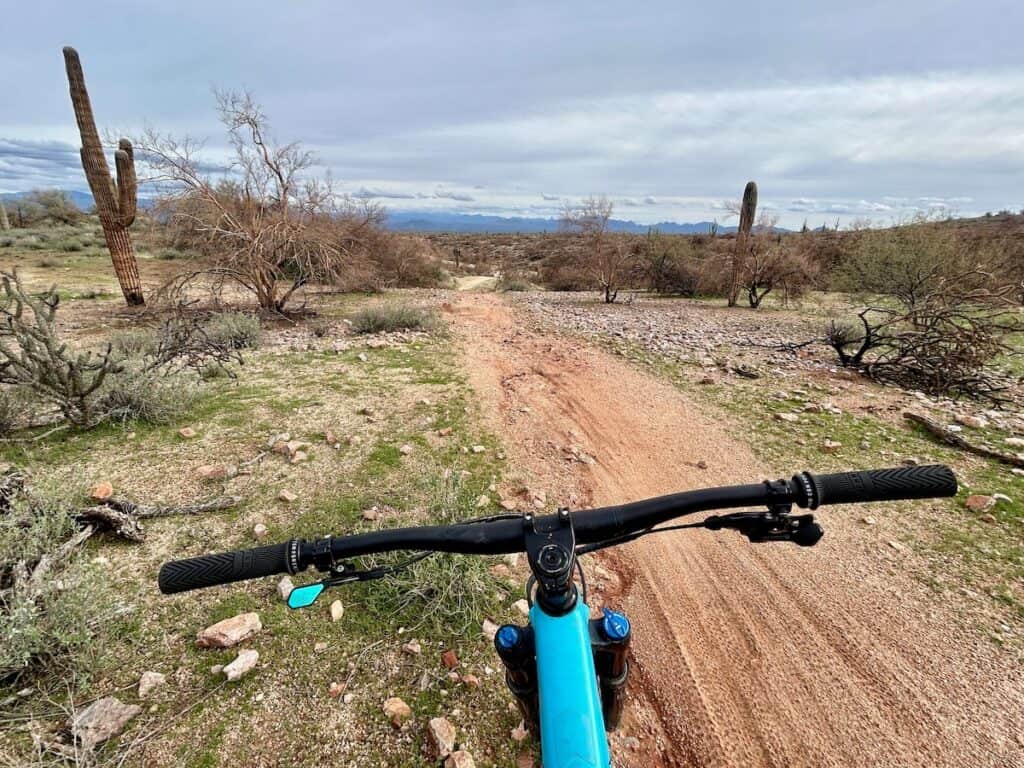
(745, 655)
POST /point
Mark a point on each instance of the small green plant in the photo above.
(54, 607)
(147, 396)
(132, 342)
(235, 330)
(48, 262)
(69, 246)
(6, 242)
(387, 319)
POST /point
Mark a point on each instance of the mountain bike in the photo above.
(568, 672)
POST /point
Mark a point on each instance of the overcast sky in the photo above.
(852, 109)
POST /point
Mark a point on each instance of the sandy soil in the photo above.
(746, 655)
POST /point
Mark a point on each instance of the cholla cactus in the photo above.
(115, 203)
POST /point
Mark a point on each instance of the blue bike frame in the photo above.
(571, 720)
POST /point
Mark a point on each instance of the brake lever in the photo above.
(773, 525)
(341, 573)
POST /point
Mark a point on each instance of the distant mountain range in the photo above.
(419, 221)
(82, 199)
(422, 221)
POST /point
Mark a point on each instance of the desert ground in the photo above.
(897, 641)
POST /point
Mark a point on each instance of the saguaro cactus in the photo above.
(115, 203)
(748, 209)
(5, 224)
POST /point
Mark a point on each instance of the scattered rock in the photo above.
(212, 472)
(331, 439)
(830, 446)
(974, 422)
(216, 670)
(337, 611)
(370, 514)
(702, 464)
(980, 503)
(790, 418)
(450, 659)
(525, 760)
(522, 606)
(406, 449)
(470, 681)
(483, 501)
(149, 682)
(868, 520)
(442, 736)
(397, 711)
(519, 733)
(1015, 442)
(101, 720)
(988, 518)
(101, 491)
(460, 759)
(243, 664)
(187, 433)
(490, 629)
(299, 456)
(911, 461)
(348, 698)
(285, 587)
(412, 648)
(478, 449)
(287, 496)
(320, 647)
(362, 357)
(229, 632)
(897, 546)
(259, 531)
(335, 690)
(444, 432)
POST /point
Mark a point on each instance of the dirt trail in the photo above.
(748, 656)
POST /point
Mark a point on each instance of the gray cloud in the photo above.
(853, 107)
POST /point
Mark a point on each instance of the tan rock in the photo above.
(149, 682)
(337, 611)
(229, 632)
(187, 433)
(980, 503)
(442, 736)
(397, 711)
(101, 720)
(460, 759)
(287, 496)
(242, 665)
(259, 531)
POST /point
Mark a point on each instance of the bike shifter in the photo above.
(772, 525)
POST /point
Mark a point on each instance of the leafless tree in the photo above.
(608, 260)
(264, 219)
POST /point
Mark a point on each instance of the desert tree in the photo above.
(115, 203)
(772, 263)
(266, 222)
(606, 259)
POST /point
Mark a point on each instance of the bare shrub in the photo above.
(774, 264)
(608, 261)
(265, 222)
(945, 345)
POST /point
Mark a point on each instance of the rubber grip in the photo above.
(926, 482)
(224, 568)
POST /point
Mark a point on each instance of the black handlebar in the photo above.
(505, 535)
(224, 568)
(884, 485)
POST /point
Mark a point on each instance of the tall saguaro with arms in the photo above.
(115, 203)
